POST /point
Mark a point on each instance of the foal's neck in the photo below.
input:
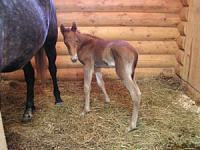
(83, 39)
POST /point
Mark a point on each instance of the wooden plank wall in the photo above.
(189, 63)
(149, 25)
(3, 144)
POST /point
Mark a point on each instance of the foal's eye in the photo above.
(76, 40)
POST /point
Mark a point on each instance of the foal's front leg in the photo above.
(101, 84)
(87, 87)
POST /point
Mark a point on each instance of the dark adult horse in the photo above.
(26, 27)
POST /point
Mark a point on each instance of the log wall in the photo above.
(182, 28)
(151, 26)
(188, 67)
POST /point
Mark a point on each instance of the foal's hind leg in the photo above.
(30, 79)
(51, 54)
(133, 90)
(136, 97)
(101, 83)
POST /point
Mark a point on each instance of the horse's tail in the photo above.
(41, 64)
(134, 63)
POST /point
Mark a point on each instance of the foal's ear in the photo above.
(74, 27)
(62, 28)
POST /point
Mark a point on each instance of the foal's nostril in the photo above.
(74, 59)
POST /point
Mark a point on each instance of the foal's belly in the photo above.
(104, 64)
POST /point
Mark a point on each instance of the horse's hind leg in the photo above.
(30, 79)
(101, 83)
(51, 55)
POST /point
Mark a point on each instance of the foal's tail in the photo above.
(134, 64)
(41, 64)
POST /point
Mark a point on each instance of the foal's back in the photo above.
(109, 52)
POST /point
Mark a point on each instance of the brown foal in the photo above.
(95, 53)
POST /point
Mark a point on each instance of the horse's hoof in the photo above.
(28, 116)
(59, 103)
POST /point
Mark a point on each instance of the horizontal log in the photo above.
(77, 74)
(182, 27)
(130, 33)
(185, 2)
(171, 6)
(143, 47)
(184, 14)
(85, 19)
(178, 70)
(156, 61)
(181, 42)
(179, 56)
(144, 61)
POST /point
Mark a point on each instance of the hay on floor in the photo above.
(164, 123)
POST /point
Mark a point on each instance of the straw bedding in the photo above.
(167, 118)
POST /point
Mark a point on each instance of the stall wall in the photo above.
(149, 25)
(189, 63)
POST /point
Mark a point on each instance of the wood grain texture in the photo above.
(144, 61)
(84, 19)
(181, 42)
(191, 71)
(167, 6)
(184, 14)
(130, 33)
(3, 144)
(77, 73)
(142, 47)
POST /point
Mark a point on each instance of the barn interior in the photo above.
(166, 35)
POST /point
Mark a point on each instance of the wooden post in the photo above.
(191, 71)
(3, 145)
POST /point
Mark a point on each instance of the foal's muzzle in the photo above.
(74, 59)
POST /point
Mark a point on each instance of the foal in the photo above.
(95, 53)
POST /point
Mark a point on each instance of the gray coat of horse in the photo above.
(26, 27)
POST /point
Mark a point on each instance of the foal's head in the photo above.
(70, 40)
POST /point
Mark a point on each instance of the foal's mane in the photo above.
(89, 35)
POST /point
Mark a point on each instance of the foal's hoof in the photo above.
(28, 115)
(107, 105)
(84, 113)
(130, 128)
